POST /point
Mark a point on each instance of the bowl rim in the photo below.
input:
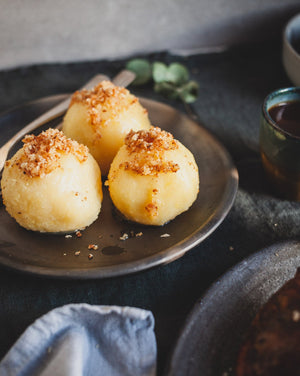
(267, 115)
(286, 36)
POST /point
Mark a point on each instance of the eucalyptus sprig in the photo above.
(171, 80)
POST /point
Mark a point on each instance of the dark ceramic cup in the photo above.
(279, 147)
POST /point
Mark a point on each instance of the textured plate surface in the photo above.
(210, 340)
(53, 255)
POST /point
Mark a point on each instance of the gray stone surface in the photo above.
(61, 31)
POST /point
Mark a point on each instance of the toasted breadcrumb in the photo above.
(125, 236)
(93, 246)
(78, 234)
(42, 153)
(147, 148)
(104, 102)
(153, 139)
(152, 209)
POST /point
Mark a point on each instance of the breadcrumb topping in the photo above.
(42, 153)
(148, 147)
(104, 102)
(152, 209)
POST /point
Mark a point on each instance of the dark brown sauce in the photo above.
(287, 116)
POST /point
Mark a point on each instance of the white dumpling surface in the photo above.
(153, 177)
(101, 118)
(52, 184)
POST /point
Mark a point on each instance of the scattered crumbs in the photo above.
(90, 256)
(130, 234)
(77, 253)
(124, 236)
(68, 236)
(65, 254)
(276, 254)
(106, 184)
(296, 316)
(93, 246)
(165, 235)
(275, 224)
(231, 248)
(100, 236)
(78, 234)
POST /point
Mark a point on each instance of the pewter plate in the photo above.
(54, 255)
(212, 335)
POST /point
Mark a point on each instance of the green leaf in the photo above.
(164, 88)
(177, 74)
(159, 72)
(167, 89)
(143, 70)
(170, 81)
(189, 92)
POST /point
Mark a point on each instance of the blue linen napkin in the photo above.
(85, 340)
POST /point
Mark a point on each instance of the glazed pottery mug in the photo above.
(280, 141)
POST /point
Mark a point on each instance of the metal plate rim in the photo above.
(169, 254)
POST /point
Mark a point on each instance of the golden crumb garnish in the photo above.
(147, 149)
(166, 235)
(42, 153)
(78, 234)
(93, 246)
(104, 102)
(153, 139)
(125, 236)
(152, 209)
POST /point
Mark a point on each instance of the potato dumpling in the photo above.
(52, 184)
(100, 119)
(153, 178)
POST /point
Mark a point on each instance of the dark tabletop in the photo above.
(233, 85)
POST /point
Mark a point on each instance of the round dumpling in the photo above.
(100, 119)
(153, 177)
(52, 184)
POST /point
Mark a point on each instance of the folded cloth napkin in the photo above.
(85, 340)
